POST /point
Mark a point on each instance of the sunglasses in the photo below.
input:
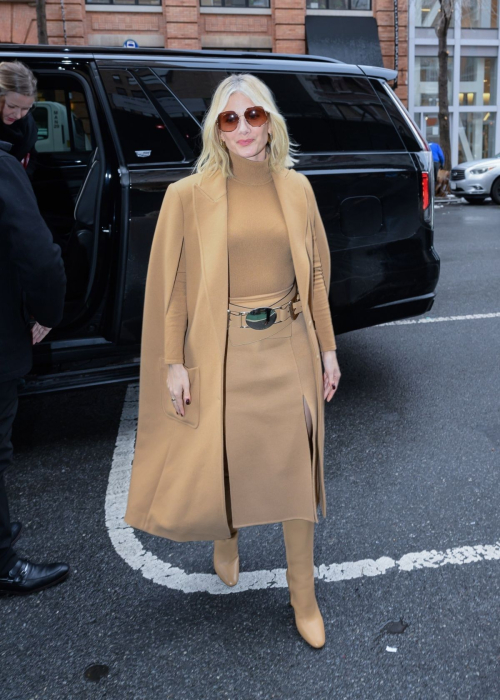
(254, 116)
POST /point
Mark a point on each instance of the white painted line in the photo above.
(440, 319)
(151, 567)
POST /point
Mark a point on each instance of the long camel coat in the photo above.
(177, 485)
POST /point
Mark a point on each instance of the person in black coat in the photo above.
(18, 89)
(32, 283)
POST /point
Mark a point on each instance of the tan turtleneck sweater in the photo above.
(260, 259)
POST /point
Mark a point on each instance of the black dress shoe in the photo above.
(27, 577)
(15, 532)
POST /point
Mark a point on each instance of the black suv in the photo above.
(116, 127)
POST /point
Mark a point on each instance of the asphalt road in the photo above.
(412, 466)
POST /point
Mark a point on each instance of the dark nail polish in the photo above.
(188, 401)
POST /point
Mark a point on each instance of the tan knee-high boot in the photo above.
(227, 560)
(299, 540)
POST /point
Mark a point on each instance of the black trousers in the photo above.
(8, 410)
(436, 170)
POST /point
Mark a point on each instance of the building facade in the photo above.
(473, 76)
(357, 31)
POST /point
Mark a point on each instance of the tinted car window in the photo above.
(193, 88)
(333, 113)
(184, 130)
(324, 113)
(62, 117)
(397, 117)
(143, 134)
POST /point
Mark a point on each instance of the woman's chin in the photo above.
(250, 151)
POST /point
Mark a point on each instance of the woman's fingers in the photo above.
(178, 385)
(331, 381)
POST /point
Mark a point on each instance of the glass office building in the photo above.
(473, 75)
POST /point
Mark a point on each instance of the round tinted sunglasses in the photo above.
(254, 116)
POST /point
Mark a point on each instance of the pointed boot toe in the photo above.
(227, 560)
(312, 630)
(228, 572)
(308, 618)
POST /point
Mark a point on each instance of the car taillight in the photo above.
(425, 190)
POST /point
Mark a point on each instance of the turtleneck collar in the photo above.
(250, 172)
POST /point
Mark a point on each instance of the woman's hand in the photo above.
(179, 388)
(331, 375)
(38, 333)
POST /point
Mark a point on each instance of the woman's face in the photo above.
(247, 141)
(14, 106)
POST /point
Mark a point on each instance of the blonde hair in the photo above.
(16, 77)
(214, 156)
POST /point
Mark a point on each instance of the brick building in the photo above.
(356, 31)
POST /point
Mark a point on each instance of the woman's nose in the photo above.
(243, 126)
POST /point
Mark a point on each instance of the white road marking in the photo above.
(440, 319)
(151, 567)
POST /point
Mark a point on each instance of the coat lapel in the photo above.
(293, 202)
(210, 205)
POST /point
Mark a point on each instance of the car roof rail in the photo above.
(370, 71)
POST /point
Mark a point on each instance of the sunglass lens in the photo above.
(255, 116)
(228, 121)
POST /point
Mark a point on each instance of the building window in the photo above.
(123, 2)
(426, 81)
(235, 3)
(427, 13)
(478, 81)
(476, 136)
(479, 14)
(431, 128)
(339, 4)
(236, 48)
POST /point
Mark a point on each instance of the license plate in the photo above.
(453, 185)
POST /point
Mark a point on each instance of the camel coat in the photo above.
(177, 486)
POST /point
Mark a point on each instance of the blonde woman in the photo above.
(17, 95)
(236, 321)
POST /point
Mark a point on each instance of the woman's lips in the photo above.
(245, 142)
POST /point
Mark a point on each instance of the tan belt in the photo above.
(260, 324)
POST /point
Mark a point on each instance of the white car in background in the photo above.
(476, 180)
(53, 129)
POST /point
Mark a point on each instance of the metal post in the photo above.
(64, 22)
(396, 41)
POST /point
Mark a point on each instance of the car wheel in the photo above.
(475, 200)
(495, 191)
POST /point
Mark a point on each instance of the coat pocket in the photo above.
(191, 412)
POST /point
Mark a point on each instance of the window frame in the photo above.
(349, 7)
(86, 90)
(122, 5)
(245, 6)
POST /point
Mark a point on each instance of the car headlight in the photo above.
(480, 171)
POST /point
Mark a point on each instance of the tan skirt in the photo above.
(268, 448)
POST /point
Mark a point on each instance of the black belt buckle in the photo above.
(261, 318)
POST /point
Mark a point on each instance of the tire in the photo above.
(495, 191)
(476, 200)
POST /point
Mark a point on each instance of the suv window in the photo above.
(193, 88)
(144, 135)
(324, 113)
(184, 130)
(62, 118)
(333, 113)
(397, 117)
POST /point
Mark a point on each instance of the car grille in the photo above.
(458, 174)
